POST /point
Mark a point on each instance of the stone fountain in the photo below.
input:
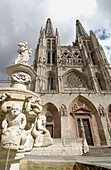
(22, 124)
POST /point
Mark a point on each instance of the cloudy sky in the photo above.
(21, 20)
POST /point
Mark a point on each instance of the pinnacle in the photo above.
(49, 28)
(80, 30)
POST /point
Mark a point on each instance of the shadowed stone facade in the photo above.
(73, 83)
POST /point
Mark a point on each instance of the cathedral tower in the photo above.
(45, 62)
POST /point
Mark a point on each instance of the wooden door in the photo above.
(50, 128)
(87, 128)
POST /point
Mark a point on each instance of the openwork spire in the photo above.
(49, 28)
(80, 31)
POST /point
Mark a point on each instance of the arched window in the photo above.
(48, 44)
(48, 58)
(69, 60)
(99, 82)
(50, 83)
(53, 44)
(93, 60)
(53, 58)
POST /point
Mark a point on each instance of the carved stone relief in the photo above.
(21, 77)
(78, 106)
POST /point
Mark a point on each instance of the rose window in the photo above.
(74, 80)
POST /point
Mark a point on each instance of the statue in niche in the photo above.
(44, 61)
(13, 133)
(101, 111)
(32, 106)
(21, 78)
(24, 54)
(63, 110)
(40, 133)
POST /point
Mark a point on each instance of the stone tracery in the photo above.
(74, 80)
(71, 58)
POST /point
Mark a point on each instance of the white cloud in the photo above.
(21, 21)
(65, 9)
(104, 37)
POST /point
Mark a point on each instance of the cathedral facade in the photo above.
(74, 83)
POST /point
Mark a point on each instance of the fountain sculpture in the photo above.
(22, 122)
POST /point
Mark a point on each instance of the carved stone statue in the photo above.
(13, 133)
(24, 53)
(63, 110)
(101, 110)
(40, 133)
(32, 106)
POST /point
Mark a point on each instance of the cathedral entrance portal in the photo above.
(53, 123)
(82, 109)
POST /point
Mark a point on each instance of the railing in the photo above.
(67, 141)
(71, 62)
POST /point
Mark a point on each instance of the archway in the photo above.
(82, 108)
(53, 123)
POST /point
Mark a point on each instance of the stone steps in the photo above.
(100, 151)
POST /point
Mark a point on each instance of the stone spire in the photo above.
(94, 40)
(80, 31)
(49, 28)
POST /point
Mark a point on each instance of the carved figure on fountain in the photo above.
(14, 134)
(32, 106)
(24, 53)
(40, 133)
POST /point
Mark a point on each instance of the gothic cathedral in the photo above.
(74, 83)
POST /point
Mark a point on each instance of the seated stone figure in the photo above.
(13, 133)
(40, 133)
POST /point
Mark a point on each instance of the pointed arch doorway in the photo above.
(53, 123)
(82, 108)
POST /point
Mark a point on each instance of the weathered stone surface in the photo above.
(64, 162)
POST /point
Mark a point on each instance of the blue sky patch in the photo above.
(101, 34)
(107, 47)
